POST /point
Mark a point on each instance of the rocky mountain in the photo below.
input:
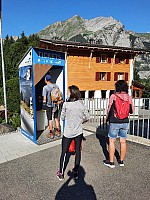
(100, 30)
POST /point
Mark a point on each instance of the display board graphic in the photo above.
(32, 71)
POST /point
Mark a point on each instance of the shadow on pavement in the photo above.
(102, 136)
(79, 190)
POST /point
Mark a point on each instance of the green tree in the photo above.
(136, 75)
(13, 53)
(12, 95)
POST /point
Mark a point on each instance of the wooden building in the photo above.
(95, 68)
(137, 89)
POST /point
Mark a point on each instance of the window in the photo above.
(108, 76)
(103, 58)
(103, 76)
(91, 94)
(109, 60)
(126, 76)
(103, 92)
(120, 76)
(121, 60)
(116, 60)
(82, 94)
(111, 92)
(97, 76)
(127, 61)
(97, 59)
(136, 93)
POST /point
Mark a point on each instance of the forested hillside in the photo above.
(13, 52)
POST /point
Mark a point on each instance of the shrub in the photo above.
(15, 120)
(12, 95)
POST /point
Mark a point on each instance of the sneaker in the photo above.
(121, 163)
(57, 133)
(60, 176)
(50, 135)
(109, 164)
(75, 175)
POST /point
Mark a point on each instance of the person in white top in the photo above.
(75, 114)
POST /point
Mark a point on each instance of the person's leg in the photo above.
(50, 122)
(117, 155)
(57, 123)
(123, 135)
(116, 152)
(65, 146)
(78, 141)
(111, 148)
(112, 135)
(123, 148)
(50, 125)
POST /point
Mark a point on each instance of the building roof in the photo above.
(72, 44)
(138, 85)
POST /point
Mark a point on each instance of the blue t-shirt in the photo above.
(47, 92)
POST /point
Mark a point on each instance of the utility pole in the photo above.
(3, 68)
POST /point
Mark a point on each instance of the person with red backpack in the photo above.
(119, 108)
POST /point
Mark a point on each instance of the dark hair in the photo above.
(121, 86)
(74, 93)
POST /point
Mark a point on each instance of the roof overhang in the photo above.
(74, 45)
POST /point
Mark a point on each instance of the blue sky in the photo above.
(31, 16)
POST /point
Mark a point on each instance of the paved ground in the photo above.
(31, 176)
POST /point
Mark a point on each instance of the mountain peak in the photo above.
(102, 30)
(99, 30)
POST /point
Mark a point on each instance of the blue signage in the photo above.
(44, 56)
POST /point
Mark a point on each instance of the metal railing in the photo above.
(139, 121)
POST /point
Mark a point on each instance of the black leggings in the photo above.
(65, 147)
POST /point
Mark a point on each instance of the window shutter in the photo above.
(97, 59)
(109, 60)
(108, 76)
(116, 60)
(115, 76)
(126, 76)
(127, 61)
(97, 76)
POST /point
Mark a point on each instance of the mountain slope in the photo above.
(100, 30)
(103, 30)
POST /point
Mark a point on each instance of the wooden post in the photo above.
(90, 59)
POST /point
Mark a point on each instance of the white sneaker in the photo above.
(109, 164)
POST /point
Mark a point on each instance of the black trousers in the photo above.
(65, 147)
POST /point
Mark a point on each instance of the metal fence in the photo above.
(139, 121)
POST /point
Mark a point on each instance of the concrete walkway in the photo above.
(27, 172)
(16, 145)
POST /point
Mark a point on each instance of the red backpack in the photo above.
(122, 108)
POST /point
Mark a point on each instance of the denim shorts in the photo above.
(118, 130)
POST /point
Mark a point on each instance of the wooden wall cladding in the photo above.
(82, 70)
(39, 71)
